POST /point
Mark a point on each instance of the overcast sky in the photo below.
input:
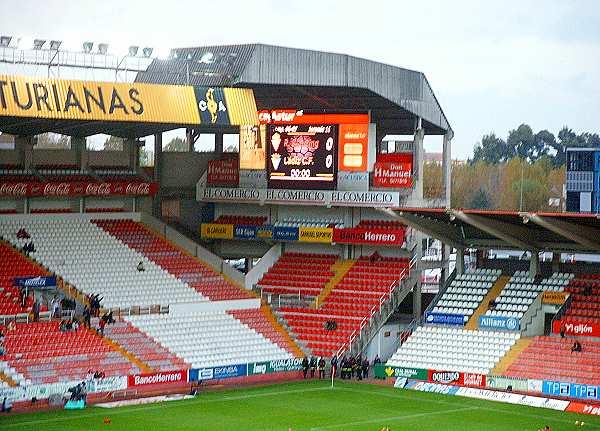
(492, 64)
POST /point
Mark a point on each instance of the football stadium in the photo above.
(277, 265)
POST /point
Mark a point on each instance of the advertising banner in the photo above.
(303, 156)
(434, 388)
(499, 323)
(229, 371)
(554, 297)
(162, 378)
(393, 175)
(353, 143)
(444, 377)
(77, 188)
(571, 390)
(216, 231)
(512, 398)
(384, 371)
(590, 329)
(501, 382)
(293, 364)
(285, 233)
(226, 106)
(369, 236)
(223, 172)
(244, 232)
(35, 282)
(445, 319)
(473, 379)
(587, 409)
(264, 232)
(315, 234)
(253, 147)
(107, 384)
(250, 179)
(353, 181)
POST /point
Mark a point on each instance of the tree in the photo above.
(113, 143)
(176, 144)
(433, 183)
(491, 149)
(480, 200)
(53, 141)
(146, 157)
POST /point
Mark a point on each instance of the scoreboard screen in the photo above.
(302, 156)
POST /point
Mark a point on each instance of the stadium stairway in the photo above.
(473, 322)
(6, 379)
(510, 356)
(144, 367)
(340, 268)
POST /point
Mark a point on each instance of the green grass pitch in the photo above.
(307, 406)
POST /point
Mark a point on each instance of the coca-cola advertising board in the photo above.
(72, 189)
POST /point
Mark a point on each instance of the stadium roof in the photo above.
(311, 81)
(459, 228)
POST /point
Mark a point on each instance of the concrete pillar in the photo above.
(417, 300)
(189, 139)
(78, 145)
(555, 262)
(460, 261)
(24, 146)
(534, 264)
(131, 150)
(158, 144)
(219, 143)
(447, 169)
(418, 161)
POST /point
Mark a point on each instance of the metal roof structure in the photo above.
(310, 81)
(459, 228)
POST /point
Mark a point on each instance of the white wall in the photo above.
(300, 247)
(242, 210)
(184, 169)
(382, 345)
(263, 266)
(108, 158)
(54, 157)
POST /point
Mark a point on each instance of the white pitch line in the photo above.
(393, 418)
(198, 400)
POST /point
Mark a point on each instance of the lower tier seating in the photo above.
(14, 264)
(550, 358)
(39, 352)
(209, 339)
(453, 349)
(585, 303)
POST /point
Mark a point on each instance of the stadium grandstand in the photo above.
(300, 247)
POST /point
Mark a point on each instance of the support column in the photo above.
(419, 155)
(158, 145)
(534, 264)
(219, 143)
(447, 169)
(24, 146)
(417, 300)
(189, 139)
(132, 152)
(555, 262)
(78, 144)
(460, 261)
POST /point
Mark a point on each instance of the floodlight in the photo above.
(147, 52)
(55, 45)
(87, 47)
(102, 48)
(38, 43)
(5, 41)
(133, 50)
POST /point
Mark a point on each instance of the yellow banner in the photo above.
(216, 231)
(315, 234)
(101, 101)
(554, 297)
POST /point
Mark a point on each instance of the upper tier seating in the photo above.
(95, 262)
(466, 292)
(550, 358)
(209, 339)
(18, 175)
(40, 353)
(298, 273)
(380, 224)
(585, 304)
(187, 269)
(520, 292)
(241, 220)
(13, 264)
(311, 222)
(453, 349)
(65, 175)
(118, 174)
(143, 347)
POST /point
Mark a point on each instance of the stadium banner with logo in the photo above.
(369, 199)
(223, 172)
(264, 232)
(218, 373)
(244, 232)
(277, 366)
(456, 378)
(353, 181)
(353, 144)
(226, 106)
(392, 175)
(216, 231)
(61, 99)
(385, 371)
(161, 378)
(77, 188)
(285, 233)
(250, 179)
(587, 329)
(512, 398)
(571, 390)
(445, 319)
(40, 282)
(368, 236)
(499, 323)
(502, 382)
(107, 384)
(558, 298)
(433, 388)
(315, 234)
(586, 409)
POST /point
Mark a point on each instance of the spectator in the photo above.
(22, 234)
(313, 366)
(90, 375)
(321, 368)
(29, 248)
(101, 326)
(12, 325)
(87, 314)
(2, 351)
(36, 310)
(358, 367)
(1, 336)
(563, 329)
(377, 360)
(351, 367)
(587, 290)
(305, 366)
(334, 365)
(55, 306)
(365, 368)
(140, 266)
(6, 405)
(576, 347)
(75, 325)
